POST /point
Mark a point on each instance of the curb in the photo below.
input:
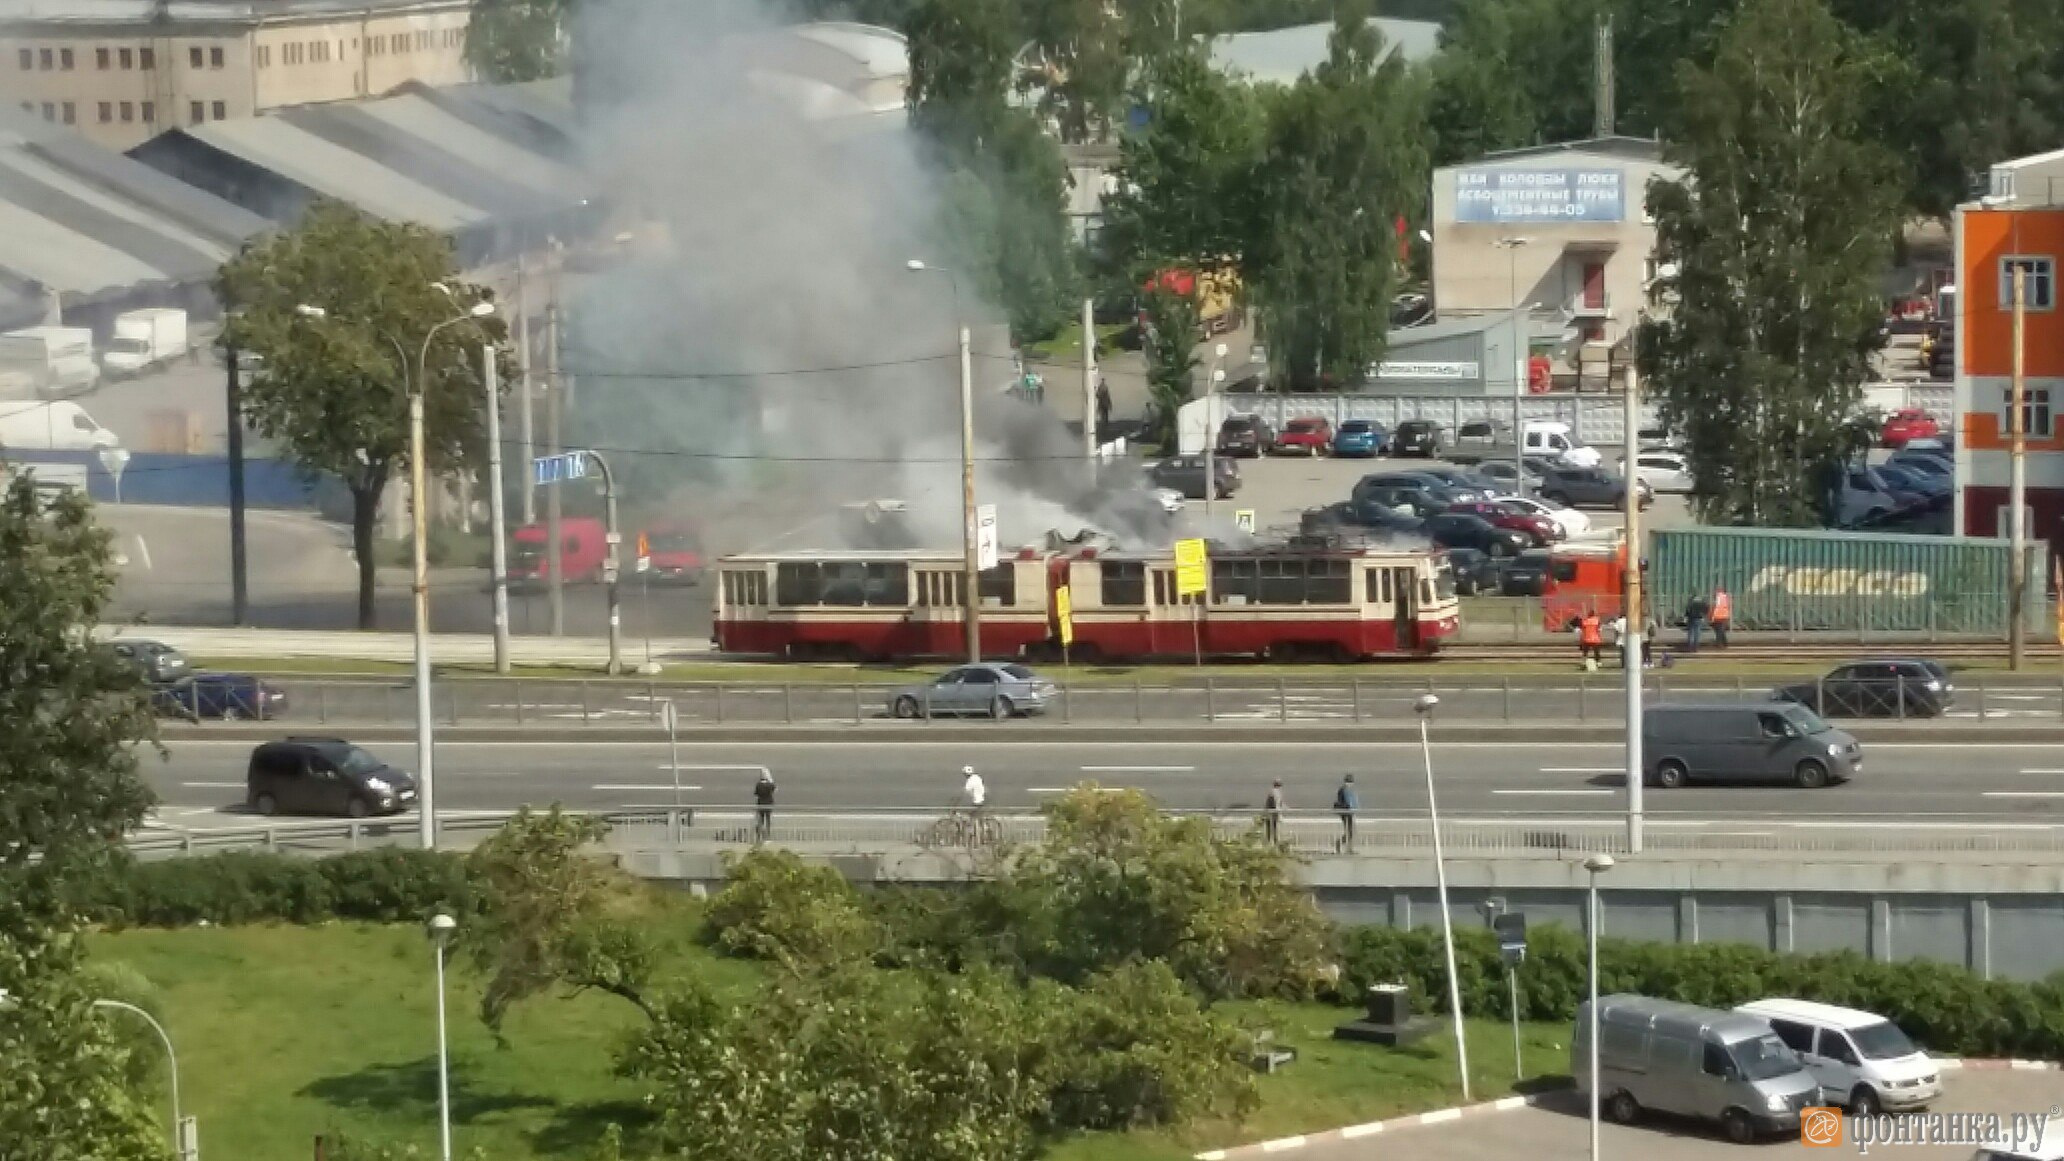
(1506, 1104)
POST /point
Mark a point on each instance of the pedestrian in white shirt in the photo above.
(973, 788)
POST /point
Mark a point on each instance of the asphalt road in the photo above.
(201, 784)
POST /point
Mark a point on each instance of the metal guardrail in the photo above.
(1580, 698)
(1307, 833)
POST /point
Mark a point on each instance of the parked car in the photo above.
(1571, 521)
(1359, 439)
(1307, 435)
(1935, 489)
(1423, 494)
(1525, 575)
(1538, 530)
(226, 696)
(1669, 1057)
(1454, 486)
(1245, 435)
(1906, 425)
(1863, 1062)
(1891, 687)
(1663, 471)
(1924, 460)
(1185, 474)
(1509, 478)
(1474, 572)
(1464, 480)
(1943, 445)
(1744, 742)
(1416, 437)
(324, 776)
(1368, 514)
(156, 661)
(1595, 487)
(674, 552)
(998, 689)
(1171, 499)
(1870, 497)
(1462, 530)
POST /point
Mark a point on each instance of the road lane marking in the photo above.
(1138, 769)
(641, 788)
(213, 785)
(1049, 789)
(1583, 769)
(2042, 771)
(2023, 794)
(1600, 790)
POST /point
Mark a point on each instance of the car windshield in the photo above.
(1303, 425)
(1356, 427)
(1764, 1058)
(1020, 672)
(1883, 1041)
(1806, 720)
(673, 542)
(352, 760)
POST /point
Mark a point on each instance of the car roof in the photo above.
(1813, 1012)
(2051, 1148)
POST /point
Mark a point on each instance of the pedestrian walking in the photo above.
(1345, 801)
(1723, 615)
(763, 807)
(1649, 630)
(1618, 629)
(1588, 638)
(1272, 813)
(1694, 622)
(972, 789)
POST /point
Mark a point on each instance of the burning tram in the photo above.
(1328, 603)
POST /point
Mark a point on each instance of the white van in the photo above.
(1862, 1061)
(53, 426)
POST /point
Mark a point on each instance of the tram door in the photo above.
(1404, 587)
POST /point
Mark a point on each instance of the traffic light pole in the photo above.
(612, 573)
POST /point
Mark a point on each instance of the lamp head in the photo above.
(441, 927)
(482, 309)
(1597, 863)
(914, 264)
(1423, 706)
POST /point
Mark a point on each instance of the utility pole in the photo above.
(1603, 115)
(611, 572)
(239, 575)
(525, 428)
(555, 395)
(426, 794)
(499, 556)
(973, 579)
(1630, 640)
(2017, 488)
(1089, 391)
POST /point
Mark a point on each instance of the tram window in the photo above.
(848, 584)
(1379, 586)
(1235, 582)
(845, 583)
(1329, 582)
(745, 588)
(1125, 582)
(1282, 582)
(1444, 584)
(888, 584)
(938, 589)
(1000, 585)
(797, 584)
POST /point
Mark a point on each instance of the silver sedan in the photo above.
(996, 688)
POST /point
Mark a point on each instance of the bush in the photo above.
(1135, 1049)
(777, 907)
(1946, 1008)
(385, 885)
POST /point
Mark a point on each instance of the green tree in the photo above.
(1138, 1050)
(775, 906)
(1773, 250)
(962, 60)
(1118, 881)
(1512, 73)
(1173, 330)
(516, 40)
(1184, 179)
(331, 389)
(66, 1093)
(1345, 155)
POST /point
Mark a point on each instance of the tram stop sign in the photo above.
(1510, 928)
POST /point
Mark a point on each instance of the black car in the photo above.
(1371, 516)
(1525, 575)
(1474, 572)
(1433, 486)
(1416, 437)
(1245, 435)
(228, 696)
(1589, 488)
(156, 661)
(1903, 687)
(1458, 530)
(324, 776)
(1185, 474)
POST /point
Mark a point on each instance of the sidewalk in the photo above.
(446, 648)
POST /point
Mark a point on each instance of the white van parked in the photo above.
(53, 426)
(1862, 1061)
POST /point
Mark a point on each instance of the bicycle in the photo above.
(962, 827)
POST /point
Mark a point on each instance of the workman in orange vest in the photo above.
(1588, 639)
(1723, 612)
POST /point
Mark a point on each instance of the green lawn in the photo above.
(287, 1032)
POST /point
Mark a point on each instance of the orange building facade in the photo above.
(1990, 243)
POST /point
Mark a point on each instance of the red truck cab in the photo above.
(583, 546)
(673, 552)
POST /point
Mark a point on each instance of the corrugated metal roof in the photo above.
(44, 250)
(335, 172)
(425, 121)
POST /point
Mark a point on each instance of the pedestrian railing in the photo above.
(863, 830)
(1581, 697)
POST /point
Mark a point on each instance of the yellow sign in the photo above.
(1190, 567)
(1064, 613)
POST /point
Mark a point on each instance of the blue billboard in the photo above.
(1540, 195)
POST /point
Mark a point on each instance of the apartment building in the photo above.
(123, 71)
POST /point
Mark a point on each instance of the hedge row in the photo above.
(1947, 1009)
(388, 884)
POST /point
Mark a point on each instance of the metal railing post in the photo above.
(1139, 701)
(858, 711)
(519, 702)
(584, 702)
(1981, 699)
(720, 703)
(451, 696)
(1738, 689)
(1067, 703)
(1210, 698)
(1354, 696)
(788, 702)
(1583, 699)
(1901, 685)
(322, 701)
(1282, 700)
(1505, 687)
(652, 702)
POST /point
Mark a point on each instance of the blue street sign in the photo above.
(572, 465)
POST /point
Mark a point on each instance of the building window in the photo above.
(2035, 411)
(49, 111)
(47, 58)
(127, 57)
(193, 57)
(215, 57)
(28, 59)
(221, 110)
(264, 55)
(2040, 281)
(150, 112)
(198, 111)
(64, 59)
(101, 57)
(107, 112)
(128, 112)
(147, 58)
(71, 113)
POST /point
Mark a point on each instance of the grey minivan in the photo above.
(1768, 742)
(1663, 1056)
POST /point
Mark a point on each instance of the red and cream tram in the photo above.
(1337, 603)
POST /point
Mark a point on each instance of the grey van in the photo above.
(1663, 1056)
(1766, 742)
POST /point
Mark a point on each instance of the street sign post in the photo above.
(1510, 928)
(1243, 519)
(1064, 618)
(573, 465)
(1192, 576)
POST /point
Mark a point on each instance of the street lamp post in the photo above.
(441, 928)
(1596, 865)
(1511, 247)
(165, 1038)
(1211, 381)
(972, 581)
(1424, 708)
